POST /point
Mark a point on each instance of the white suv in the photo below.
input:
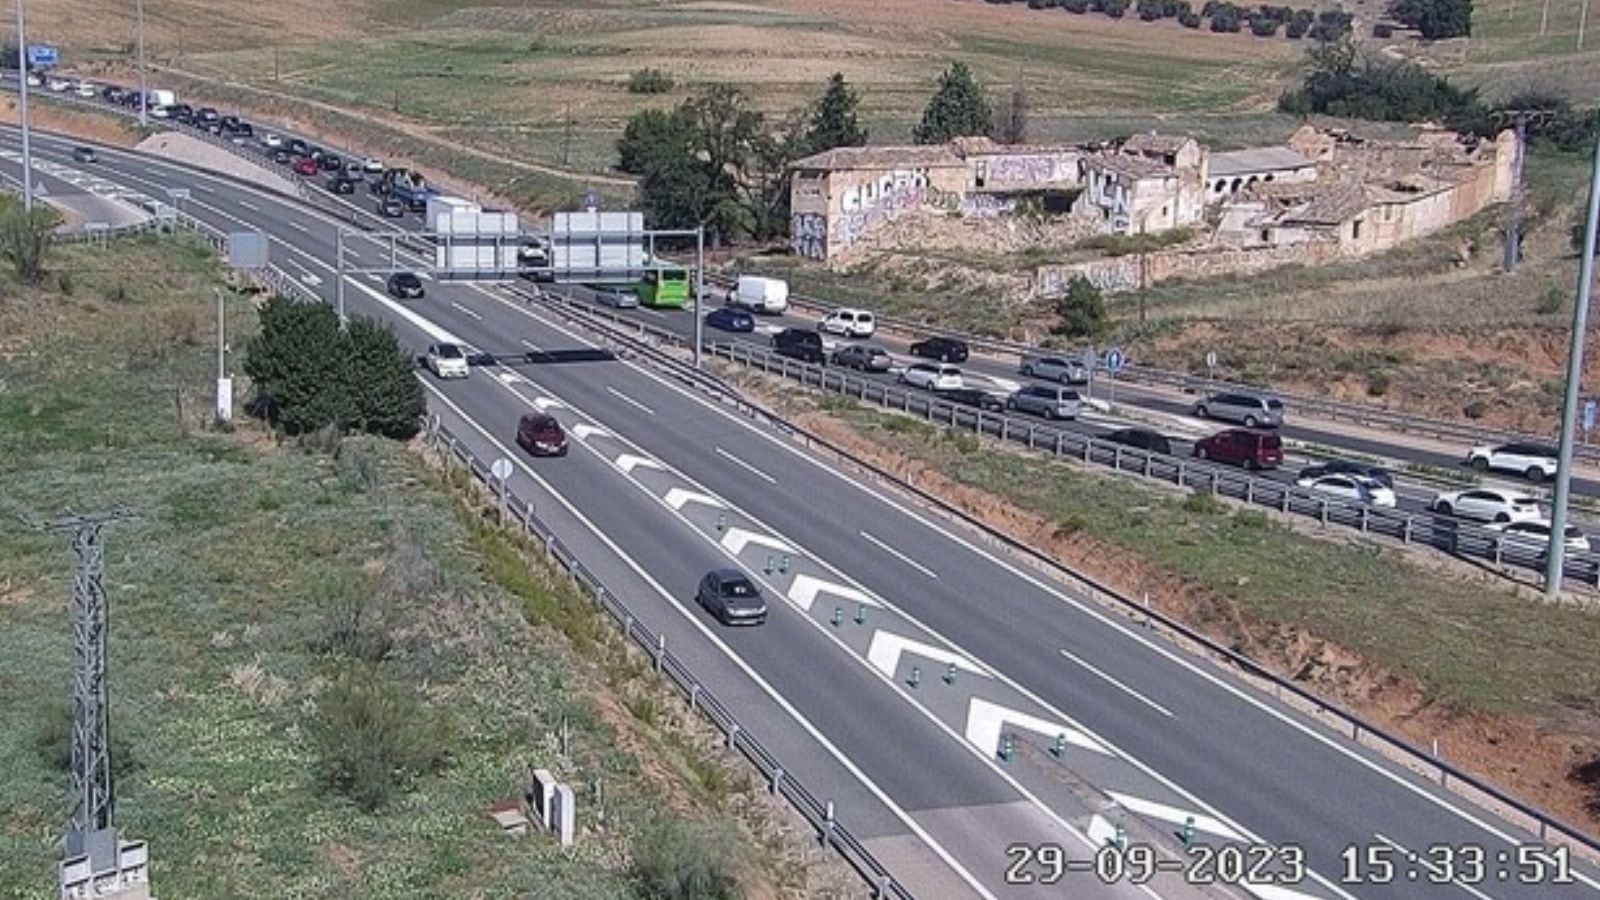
(933, 376)
(1487, 505)
(848, 322)
(1536, 462)
(447, 361)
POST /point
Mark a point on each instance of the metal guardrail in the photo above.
(1455, 537)
(780, 781)
(1549, 829)
(1353, 413)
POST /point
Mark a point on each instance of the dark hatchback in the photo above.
(732, 597)
(943, 349)
(1141, 439)
(973, 397)
(728, 318)
(800, 344)
(405, 285)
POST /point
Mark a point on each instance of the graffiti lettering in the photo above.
(870, 205)
(809, 235)
(984, 205)
(1033, 170)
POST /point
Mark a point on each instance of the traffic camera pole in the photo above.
(22, 111)
(1555, 555)
(699, 291)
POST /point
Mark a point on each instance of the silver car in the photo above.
(1042, 400)
(865, 357)
(1055, 368)
(617, 297)
(1248, 410)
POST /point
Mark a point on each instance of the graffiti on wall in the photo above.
(866, 206)
(808, 235)
(984, 205)
(1032, 170)
(1109, 275)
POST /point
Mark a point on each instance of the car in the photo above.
(933, 376)
(447, 360)
(205, 115)
(35, 81)
(86, 90)
(1055, 368)
(229, 123)
(856, 323)
(160, 112)
(1487, 505)
(405, 285)
(315, 152)
(541, 435)
(1140, 438)
(1535, 462)
(1239, 447)
(244, 131)
(730, 318)
(306, 166)
(866, 357)
(1349, 487)
(331, 162)
(1044, 400)
(282, 156)
(1248, 410)
(732, 597)
(800, 344)
(339, 184)
(299, 147)
(1535, 534)
(84, 154)
(372, 166)
(1346, 467)
(182, 112)
(943, 349)
(112, 94)
(965, 396)
(391, 207)
(59, 85)
(617, 298)
(272, 139)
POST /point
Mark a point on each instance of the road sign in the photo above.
(1115, 360)
(247, 250)
(1090, 358)
(591, 201)
(43, 55)
(1588, 414)
(501, 468)
(1211, 359)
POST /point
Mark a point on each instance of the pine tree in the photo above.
(296, 363)
(833, 119)
(957, 109)
(1082, 310)
(385, 397)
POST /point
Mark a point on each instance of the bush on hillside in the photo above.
(1189, 20)
(373, 736)
(650, 81)
(674, 861)
(1075, 6)
(1263, 26)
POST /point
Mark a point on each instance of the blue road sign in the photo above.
(43, 55)
(1115, 360)
(1588, 414)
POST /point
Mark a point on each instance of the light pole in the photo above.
(699, 291)
(22, 111)
(1556, 552)
(144, 93)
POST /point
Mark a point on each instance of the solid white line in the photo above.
(532, 346)
(626, 399)
(752, 469)
(1422, 860)
(900, 556)
(737, 660)
(248, 205)
(465, 310)
(1117, 684)
(300, 228)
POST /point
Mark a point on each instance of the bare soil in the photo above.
(1552, 764)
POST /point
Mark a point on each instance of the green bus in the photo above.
(665, 288)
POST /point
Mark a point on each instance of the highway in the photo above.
(915, 770)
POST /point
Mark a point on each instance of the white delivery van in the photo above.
(762, 295)
(162, 98)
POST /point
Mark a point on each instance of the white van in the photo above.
(848, 322)
(762, 295)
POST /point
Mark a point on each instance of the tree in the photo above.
(833, 119)
(385, 396)
(1012, 125)
(957, 109)
(1082, 310)
(296, 363)
(25, 237)
(1436, 19)
(652, 136)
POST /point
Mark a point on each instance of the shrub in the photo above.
(1082, 310)
(1377, 383)
(1202, 503)
(1263, 26)
(1553, 301)
(674, 861)
(25, 238)
(1189, 20)
(650, 81)
(1475, 409)
(1296, 29)
(1115, 8)
(373, 736)
(1075, 6)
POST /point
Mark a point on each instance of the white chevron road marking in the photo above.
(985, 720)
(803, 590)
(678, 497)
(737, 539)
(884, 654)
(1153, 810)
(546, 403)
(627, 462)
(586, 431)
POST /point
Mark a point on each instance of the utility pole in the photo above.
(22, 111)
(276, 69)
(144, 92)
(566, 138)
(1556, 552)
(1544, 19)
(1583, 20)
(1520, 117)
(699, 292)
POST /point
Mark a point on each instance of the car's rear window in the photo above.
(1274, 404)
(1271, 442)
(450, 351)
(737, 589)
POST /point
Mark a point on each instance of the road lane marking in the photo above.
(583, 431)
(532, 346)
(887, 647)
(466, 311)
(738, 538)
(627, 462)
(1153, 810)
(772, 693)
(678, 497)
(626, 399)
(248, 205)
(900, 556)
(752, 469)
(1117, 684)
(803, 591)
(1422, 860)
(986, 720)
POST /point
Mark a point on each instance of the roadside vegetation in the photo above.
(1431, 649)
(326, 663)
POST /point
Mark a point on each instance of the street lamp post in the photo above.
(144, 93)
(1555, 555)
(22, 111)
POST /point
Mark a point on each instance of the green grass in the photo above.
(222, 592)
(1468, 644)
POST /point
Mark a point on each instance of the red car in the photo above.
(541, 435)
(1242, 447)
(307, 166)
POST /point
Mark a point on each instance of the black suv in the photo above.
(799, 343)
(943, 349)
(340, 183)
(1141, 438)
